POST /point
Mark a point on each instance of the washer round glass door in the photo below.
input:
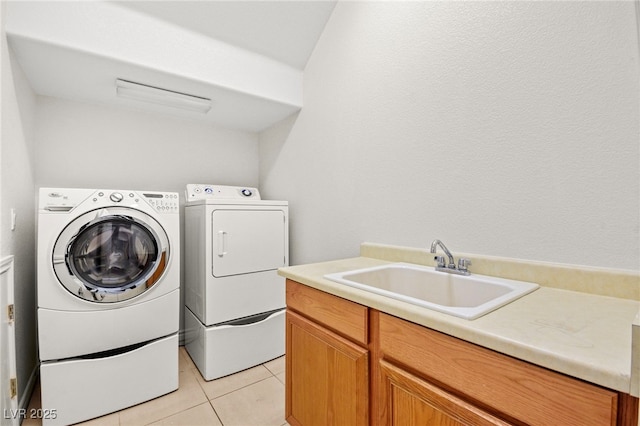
(111, 255)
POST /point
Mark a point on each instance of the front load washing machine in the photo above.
(108, 280)
(235, 300)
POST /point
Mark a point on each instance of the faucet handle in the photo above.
(463, 263)
(439, 261)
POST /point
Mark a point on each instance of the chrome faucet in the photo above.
(461, 269)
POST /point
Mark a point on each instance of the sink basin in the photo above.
(466, 297)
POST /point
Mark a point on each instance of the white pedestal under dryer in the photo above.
(235, 300)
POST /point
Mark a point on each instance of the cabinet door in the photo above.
(410, 401)
(327, 377)
(246, 241)
(516, 389)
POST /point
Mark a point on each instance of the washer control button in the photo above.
(246, 192)
(116, 197)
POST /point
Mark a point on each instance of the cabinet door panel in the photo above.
(411, 401)
(520, 390)
(327, 378)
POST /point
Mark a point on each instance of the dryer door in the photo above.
(246, 241)
(111, 255)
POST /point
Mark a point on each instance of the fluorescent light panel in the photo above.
(142, 92)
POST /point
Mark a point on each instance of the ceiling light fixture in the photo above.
(143, 92)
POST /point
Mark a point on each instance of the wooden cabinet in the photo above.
(327, 374)
(347, 364)
(411, 401)
(475, 379)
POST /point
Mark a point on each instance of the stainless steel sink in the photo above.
(466, 297)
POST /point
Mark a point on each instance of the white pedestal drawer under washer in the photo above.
(108, 281)
(234, 244)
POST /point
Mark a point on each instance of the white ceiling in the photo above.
(286, 31)
(247, 56)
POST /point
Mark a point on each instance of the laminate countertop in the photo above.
(583, 335)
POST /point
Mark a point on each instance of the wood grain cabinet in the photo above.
(473, 385)
(409, 400)
(347, 364)
(327, 362)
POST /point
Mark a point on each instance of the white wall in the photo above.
(502, 128)
(95, 146)
(17, 193)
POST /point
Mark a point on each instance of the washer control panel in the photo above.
(65, 200)
(163, 202)
(197, 191)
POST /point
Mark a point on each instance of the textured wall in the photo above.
(502, 128)
(94, 146)
(17, 193)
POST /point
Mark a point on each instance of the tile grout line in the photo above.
(215, 412)
(243, 387)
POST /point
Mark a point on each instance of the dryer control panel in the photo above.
(197, 191)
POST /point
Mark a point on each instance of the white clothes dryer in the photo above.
(234, 244)
(108, 281)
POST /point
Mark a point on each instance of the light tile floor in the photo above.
(251, 397)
